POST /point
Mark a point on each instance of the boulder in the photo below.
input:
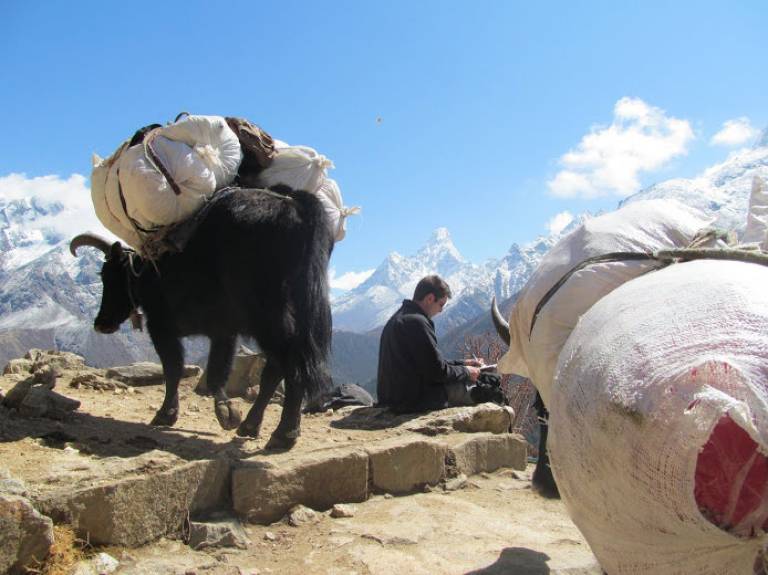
(222, 533)
(244, 377)
(341, 510)
(150, 499)
(486, 417)
(146, 373)
(483, 452)
(20, 365)
(59, 360)
(403, 467)
(42, 402)
(263, 491)
(302, 515)
(26, 536)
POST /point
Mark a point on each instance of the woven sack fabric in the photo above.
(659, 424)
(639, 227)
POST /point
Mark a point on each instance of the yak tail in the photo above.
(310, 297)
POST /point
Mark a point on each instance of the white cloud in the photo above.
(735, 132)
(559, 222)
(349, 280)
(609, 160)
(73, 194)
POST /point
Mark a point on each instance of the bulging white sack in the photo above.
(131, 190)
(303, 168)
(639, 227)
(330, 196)
(298, 167)
(643, 380)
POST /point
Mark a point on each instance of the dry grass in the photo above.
(67, 550)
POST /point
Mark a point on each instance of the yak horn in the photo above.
(91, 240)
(501, 325)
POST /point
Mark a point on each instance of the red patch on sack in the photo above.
(731, 482)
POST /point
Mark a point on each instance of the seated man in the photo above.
(413, 376)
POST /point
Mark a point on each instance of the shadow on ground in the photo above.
(517, 560)
(373, 418)
(108, 437)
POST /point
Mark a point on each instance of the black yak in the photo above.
(256, 265)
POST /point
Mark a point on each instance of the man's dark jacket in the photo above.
(412, 372)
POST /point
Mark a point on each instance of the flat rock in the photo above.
(26, 535)
(341, 510)
(10, 485)
(482, 452)
(302, 515)
(40, 401)
(99, 564)
(402, 466)
(264, 490)
(146, 373)
(221, 533)
(139, 500)
(486, 417)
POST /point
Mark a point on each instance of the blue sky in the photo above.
(489, 118)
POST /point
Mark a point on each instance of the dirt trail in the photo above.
(495, 524)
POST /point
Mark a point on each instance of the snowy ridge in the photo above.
(370, 304)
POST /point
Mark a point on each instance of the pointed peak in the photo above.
(440, 235)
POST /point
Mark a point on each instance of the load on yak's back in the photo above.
(150, 189)
(645, 332)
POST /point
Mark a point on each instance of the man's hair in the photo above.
(431, 285)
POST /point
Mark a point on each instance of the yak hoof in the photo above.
(167, 417)
(283, 441)
(228, 415)
(247, 429)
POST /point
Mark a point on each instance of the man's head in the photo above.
(431, 295)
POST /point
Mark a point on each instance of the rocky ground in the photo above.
(489, 523)
(492, 525)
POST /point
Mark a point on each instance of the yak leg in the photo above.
(219, 365)
(288, 430)
(543, 480)
(171, 354)
(270, 378)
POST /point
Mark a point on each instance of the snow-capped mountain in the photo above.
(722, 190)
(49, 299)
(370, 304)
(20, 241)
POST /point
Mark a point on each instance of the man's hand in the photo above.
(474, 362)
(474, 372)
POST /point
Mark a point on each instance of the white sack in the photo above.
(298, 167)
(330, 196)
(303, 168)
(103, 170)
(641, 382)
(212, 141)
(129, 190)
(150, 199)
(639, 227)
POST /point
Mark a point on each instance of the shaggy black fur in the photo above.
(256, 266)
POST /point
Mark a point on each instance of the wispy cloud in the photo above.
(559, 222)
(349, 280)
(609, 160)
(72, 194)
(735, 133)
